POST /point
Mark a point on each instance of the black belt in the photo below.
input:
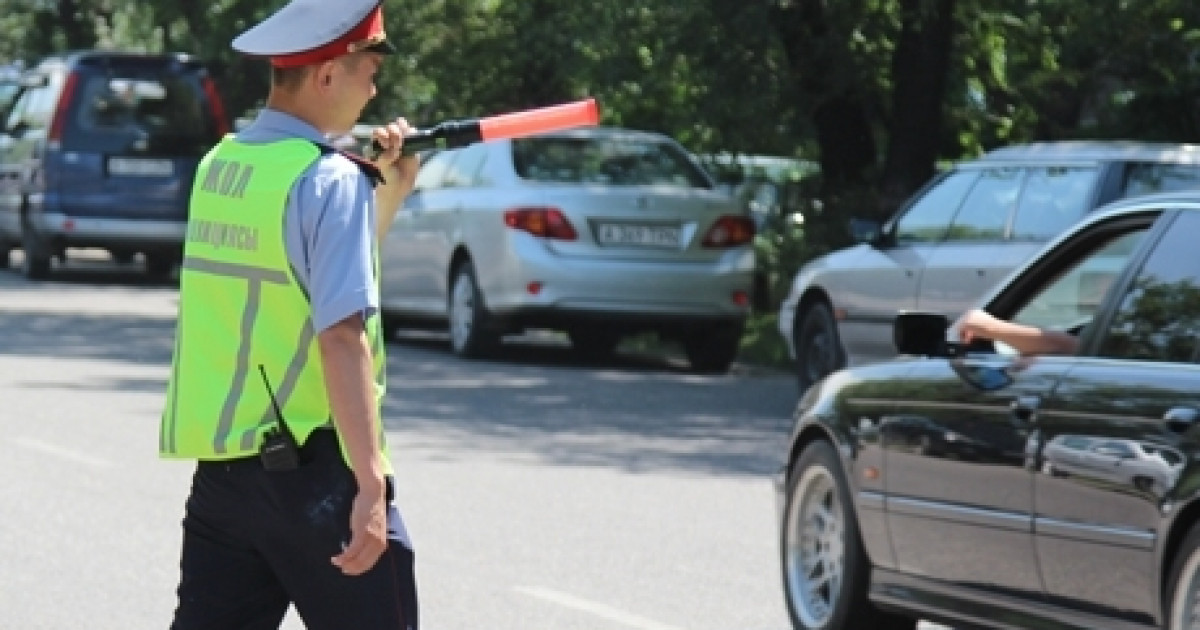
(320, 440)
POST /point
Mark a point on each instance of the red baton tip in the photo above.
(518, 124)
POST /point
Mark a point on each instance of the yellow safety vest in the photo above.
(240, 307)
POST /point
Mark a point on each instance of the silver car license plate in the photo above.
(140, 167)
(637, 235)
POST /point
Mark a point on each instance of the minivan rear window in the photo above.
(611, 161)
(140, 110)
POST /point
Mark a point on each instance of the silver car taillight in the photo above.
(543, 222)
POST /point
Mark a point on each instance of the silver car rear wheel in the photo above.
(469, 336)
(818, 349)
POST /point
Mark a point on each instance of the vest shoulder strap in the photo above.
(363, 165)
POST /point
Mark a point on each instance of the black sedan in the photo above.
(977, 487)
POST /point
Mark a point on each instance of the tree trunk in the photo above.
(822, 69)
(77, 23)
(818, 67)
(920, 67)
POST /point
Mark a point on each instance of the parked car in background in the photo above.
(99, 151)
(1085, 511)
(954, 239)
(598, 232)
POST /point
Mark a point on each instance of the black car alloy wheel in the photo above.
(1183, 593)
(825, 567)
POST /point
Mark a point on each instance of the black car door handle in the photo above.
(1024, 408)
(1180, 419)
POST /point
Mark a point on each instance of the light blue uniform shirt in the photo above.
(329, 225)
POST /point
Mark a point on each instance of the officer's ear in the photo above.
(323, 75)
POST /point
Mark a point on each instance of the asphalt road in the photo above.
(541, 492)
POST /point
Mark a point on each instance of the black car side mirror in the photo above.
(922, 334)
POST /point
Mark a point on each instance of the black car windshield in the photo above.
(608, 161)
(147, 111)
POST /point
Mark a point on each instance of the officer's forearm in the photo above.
(387, 204)
(346, 358)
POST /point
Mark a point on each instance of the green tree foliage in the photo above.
(877, 91)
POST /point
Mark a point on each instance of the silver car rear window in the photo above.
(607, 161)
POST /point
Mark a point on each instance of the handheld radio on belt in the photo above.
(459, 133)
(279, 450)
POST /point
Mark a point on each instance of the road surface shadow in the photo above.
(636, 412)
(534, 399)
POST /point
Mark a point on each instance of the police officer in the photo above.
(278, 368)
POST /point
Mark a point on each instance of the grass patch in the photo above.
(762, 344)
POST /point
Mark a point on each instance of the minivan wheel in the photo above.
(1183, 587)
(818, 349)
(826, 571)
(36, 263)
(713, 350)
(469, 334)
(5, 255)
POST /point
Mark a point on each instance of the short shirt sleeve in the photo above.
(330, 231)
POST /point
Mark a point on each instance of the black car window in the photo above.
(1159, 316)
(616, 161)
(1144, 179)
(985, 213)
(464, 170)
(433, 171)
(1053, 199)
(928, 218)
(144, 110)
(1070, 300)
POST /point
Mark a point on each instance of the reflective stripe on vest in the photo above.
(241, 308)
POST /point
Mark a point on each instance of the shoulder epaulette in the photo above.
(370, 170)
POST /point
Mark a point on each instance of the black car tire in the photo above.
(470, 335)
(1183, 586)
(712, 351)
(818, 349)
(818, 523)
(36, 265)
(5, 255)
(593, 344)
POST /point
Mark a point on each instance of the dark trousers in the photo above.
(256, 541)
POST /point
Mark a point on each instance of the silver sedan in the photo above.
(598, 232)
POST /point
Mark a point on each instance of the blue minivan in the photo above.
(99, 150)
